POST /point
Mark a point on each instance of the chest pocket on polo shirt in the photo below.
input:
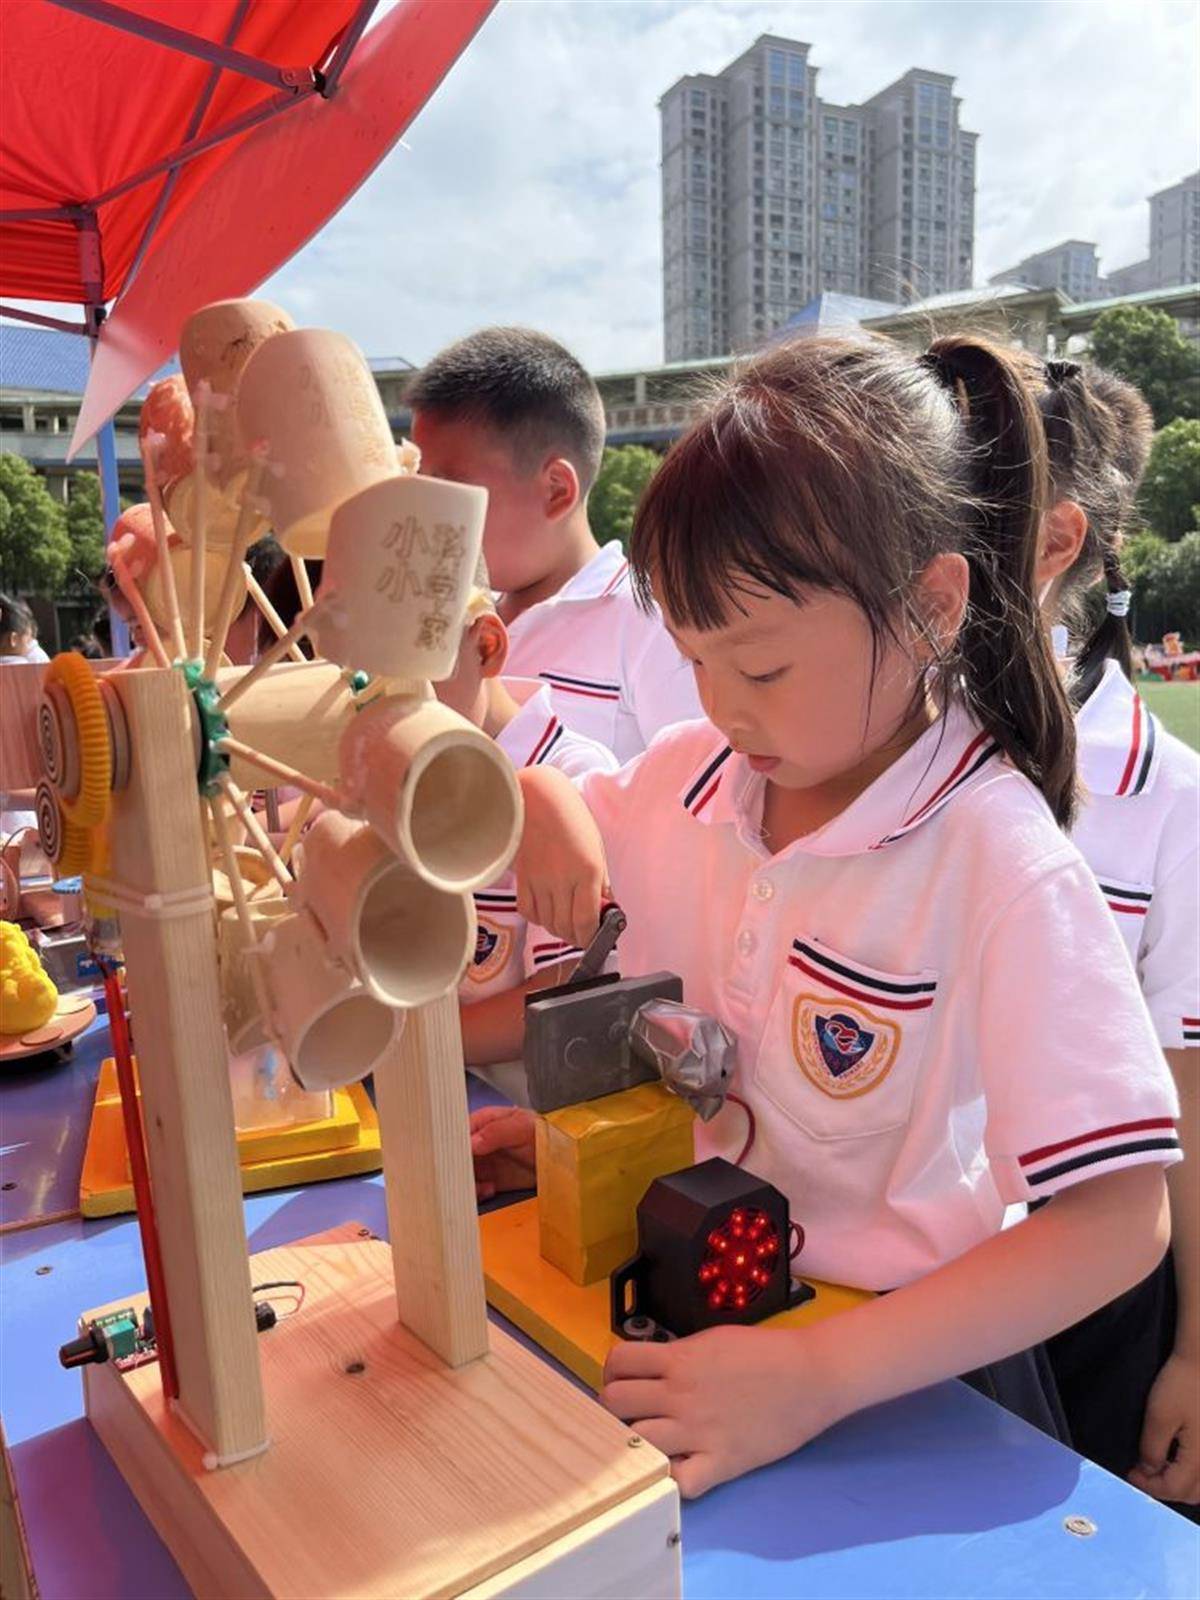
(1129, 903)
(844, 1043)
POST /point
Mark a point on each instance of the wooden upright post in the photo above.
(159, 848)
(421, 1096)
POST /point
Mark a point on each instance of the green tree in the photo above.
(624, 473)
(1147, 347)
(1182, 599)
(35, 551)
(85, 528)
(1171, 487)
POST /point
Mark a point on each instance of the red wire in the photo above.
(140, 1172)
(751, 1127)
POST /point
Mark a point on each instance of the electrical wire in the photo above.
(282, 1283)
(751, 1128)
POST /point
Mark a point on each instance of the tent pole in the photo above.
(110, 494)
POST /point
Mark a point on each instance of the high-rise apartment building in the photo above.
(1071, 266)
(1174, 242)
(771, 195)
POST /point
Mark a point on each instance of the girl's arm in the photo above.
(562, 876)
(494, 1029)
(1173, 1409)
(731, 1399)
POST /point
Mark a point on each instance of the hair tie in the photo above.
(1058, 372)
(1118, 602)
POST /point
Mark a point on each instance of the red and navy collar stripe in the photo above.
(1129, 902)
(589, 688)
(860, 985)
(551, 735)
(616, 578)
(1117, 1143)
(550, 952)
(1191, 1030)
(1140, 758)
(978, 753)
(706, 783)
(494, 900)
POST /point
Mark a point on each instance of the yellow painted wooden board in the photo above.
(335, 1147)
(388, 1473)
(572, 1322)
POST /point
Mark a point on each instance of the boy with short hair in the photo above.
(511, 409)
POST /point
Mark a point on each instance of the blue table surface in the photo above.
(938, 1494)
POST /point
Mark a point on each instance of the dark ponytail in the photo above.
(1009, 678)
(1098, 430)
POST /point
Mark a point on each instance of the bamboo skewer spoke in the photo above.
(284, 773)
(241, 540)
(257, 834)
(267, 660)
(303, 585)
(145, 621)
(232, 871)
(162, 543)
(274, 621)
(296, 828)
(201, 402)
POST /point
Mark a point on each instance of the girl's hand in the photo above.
(562, 877)
(722, 1401)
(1172, 1417)
(502, 1148)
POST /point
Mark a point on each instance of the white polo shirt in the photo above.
(506, 951)
(934, 1013)
(613, 669)
(1139, 831)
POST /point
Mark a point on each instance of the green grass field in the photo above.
(1176, 705)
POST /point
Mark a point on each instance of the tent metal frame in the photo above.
(293, 86)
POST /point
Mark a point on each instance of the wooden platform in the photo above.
(389, 1474)
(338, 1146)
(571, 1322)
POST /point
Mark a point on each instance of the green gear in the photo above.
(213, 727)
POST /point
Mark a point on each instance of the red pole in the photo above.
(142, 1193)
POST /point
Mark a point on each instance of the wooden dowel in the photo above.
(269, 657)
(232, 870)
(295, 828)
(280, 770)
(254, 828)
(201, 401)
(274, 621)
(303, 586)
(162, 541)
(134, 595)
(241, 541)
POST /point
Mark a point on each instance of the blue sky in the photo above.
(529, 191)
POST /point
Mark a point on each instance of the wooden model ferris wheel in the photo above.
(346, 953)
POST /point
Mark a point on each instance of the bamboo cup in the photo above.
(155, 590)
(330, 1029)
(406, 941)
(437, 791)
(399, 567)
(214, 346)
(310, 396)
(296, 713)
(237, 952)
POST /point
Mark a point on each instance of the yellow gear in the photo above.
(90, 805)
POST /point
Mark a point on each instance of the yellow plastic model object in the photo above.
(27, 996)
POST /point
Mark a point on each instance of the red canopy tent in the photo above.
(159, 154)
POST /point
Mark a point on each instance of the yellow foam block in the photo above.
(337, 1146)
(571, 1320)
(595, 1161)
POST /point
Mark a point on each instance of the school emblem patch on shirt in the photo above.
(846, 1051)
(493, 945)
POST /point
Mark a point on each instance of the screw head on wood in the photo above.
(634, 1441)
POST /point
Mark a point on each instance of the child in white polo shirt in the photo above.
(862, 875)
(510, 958)
(1129, 1375)
(512, 410)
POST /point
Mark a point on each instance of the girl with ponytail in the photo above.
(1129, 1375)
(857, 865)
